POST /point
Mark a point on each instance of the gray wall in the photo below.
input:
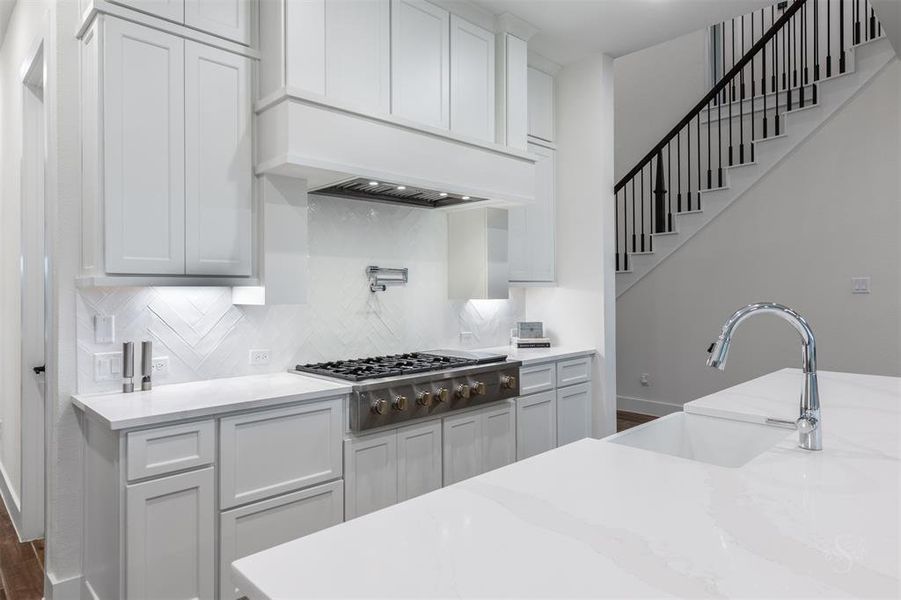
(828, 213)
(654, 88)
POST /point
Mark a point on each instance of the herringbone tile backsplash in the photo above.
(205, 336)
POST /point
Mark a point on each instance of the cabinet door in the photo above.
(472, 80)
(143, 150)
(420, 61)
(230, 19)
(218, 162)
(498, 437)
(358, 53)
(536, 424)
(519, 250)
(265, 453)
(573, 413)
(541, 105)
(463, 444)
(513, 108)
(173, 10)
(262, 525)
(541, 216)
(169, 548)
(370, 473)
(418, 460)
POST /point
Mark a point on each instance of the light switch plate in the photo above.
(107, 366)
(860, 285)
(104, 329)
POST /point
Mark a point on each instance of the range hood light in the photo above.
(465, 198)
(373, 183)
(401, 187)
(443, 194)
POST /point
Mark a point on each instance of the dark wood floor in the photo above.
(625, 419)
(21, 565)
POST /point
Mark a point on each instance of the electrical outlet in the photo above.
(259, 357)
(107, 366)
(104, 329)
(860, 285)
(159, 366)
(645, 379)
(466, 337)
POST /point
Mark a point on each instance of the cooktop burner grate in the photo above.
(385, 366)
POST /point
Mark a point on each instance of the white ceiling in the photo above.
(6, 9)
(572, 29)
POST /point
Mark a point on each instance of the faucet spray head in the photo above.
(718, 351)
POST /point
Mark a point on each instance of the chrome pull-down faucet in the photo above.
(809, 422)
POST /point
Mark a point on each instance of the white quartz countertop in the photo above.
(598, 519)
(180, 401)
(532, 356)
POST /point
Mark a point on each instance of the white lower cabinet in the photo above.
(479, 441)
(418, 460)
(555, 408)
(370, 473)
(169, 548)
(536, 424)
(386, 468)
(256, 527)
(573, 413)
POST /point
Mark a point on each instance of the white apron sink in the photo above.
(711, 440)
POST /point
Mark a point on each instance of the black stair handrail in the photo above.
(713, 93)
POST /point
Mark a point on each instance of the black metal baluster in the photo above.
(709, 153)
(763, 74)
(841, 36)
(816, 45)
(741, 91)
(828, 38)
(616, 225)
(794, 36)
(699, 161)
(790, 56)
(732, 87)
(719, 139)
(723, 49)
(775, 76)
(856, 21)
(688, 161)
(679, 171)
(659, 196)
(634, 237)
(803, 52)
(642, 209)
(872, 23)
(753, 95)
(784, 57)
(669, 188)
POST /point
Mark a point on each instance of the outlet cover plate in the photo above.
(260, 357)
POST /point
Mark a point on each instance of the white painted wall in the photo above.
(581, 310)
(829, 212)
(205, 336)
(656, 87)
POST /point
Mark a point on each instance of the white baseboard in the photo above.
(62, 589)
(11, 501)
(646, 407)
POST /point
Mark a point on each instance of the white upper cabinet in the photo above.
(230, 19)
(173, 10)
(541, 105)
(218, 162)
(143, 149)
(472, 80)
(358, 53)
(420, 62)
(512, 89)
(532, 227)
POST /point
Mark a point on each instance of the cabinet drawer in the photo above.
(270, 452)
(537, 378)
(262, 525)
(536, 424)
(574, 370)
(153, 452)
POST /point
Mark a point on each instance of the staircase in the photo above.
(809, 59)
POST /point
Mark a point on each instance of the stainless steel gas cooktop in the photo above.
(394, 389)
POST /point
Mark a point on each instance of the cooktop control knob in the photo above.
(379, 406)
(400, 403)
(508, 382)
(478, 388)
(463, 391)
(441, 394)
(424, 398)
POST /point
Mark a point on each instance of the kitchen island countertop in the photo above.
(598, 519)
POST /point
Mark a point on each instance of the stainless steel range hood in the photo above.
(363, 188)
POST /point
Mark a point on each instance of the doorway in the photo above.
(22, 428)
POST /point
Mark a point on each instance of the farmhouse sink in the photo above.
(711, 440)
